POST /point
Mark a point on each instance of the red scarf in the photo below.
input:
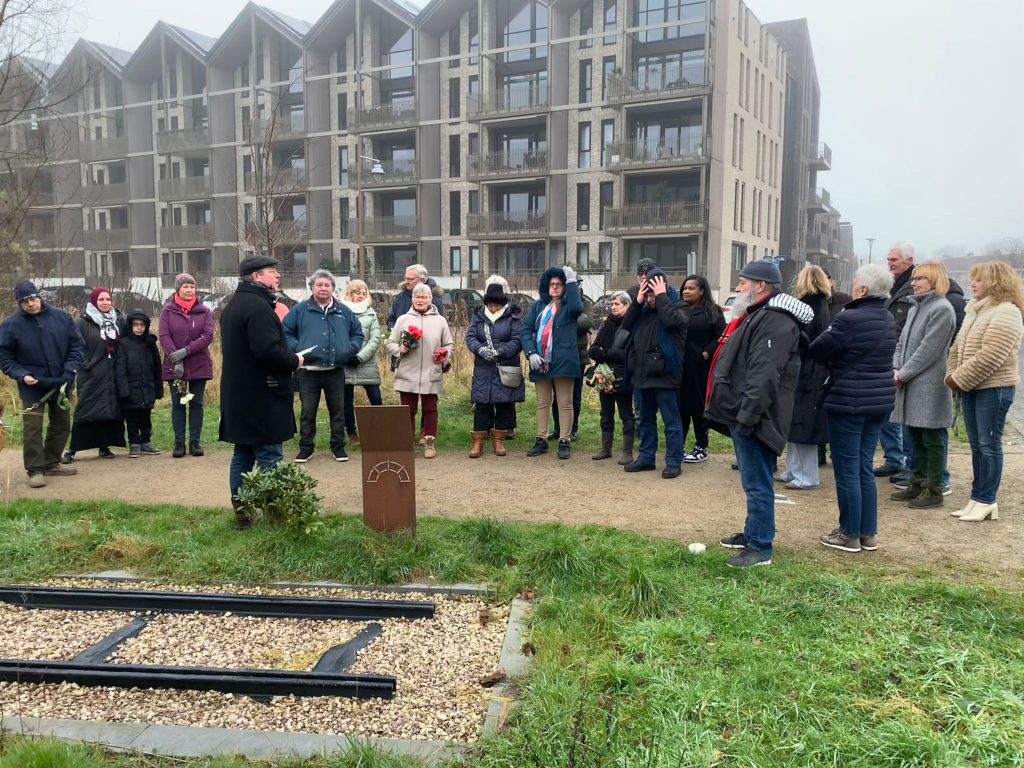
(736, 323)
(186, 306)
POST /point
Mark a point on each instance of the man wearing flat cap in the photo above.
(256, 377)
(753, 379)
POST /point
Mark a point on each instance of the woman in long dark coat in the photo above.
(809, 427)
(98, 419)
(493, 337)
(609, 348)
(706, 324)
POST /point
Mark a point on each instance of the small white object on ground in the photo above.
(697, 548)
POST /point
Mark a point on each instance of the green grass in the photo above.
(645, 654)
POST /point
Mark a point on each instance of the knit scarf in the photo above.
(107, 322)
(186, 306)
(545, 330)
(357, 307)
(495, 316)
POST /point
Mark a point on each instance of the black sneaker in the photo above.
(196, 449)
(736, 541)
(636, 466)
(670, 472)
(748, 558)
(339, 454)
(699, 454)
(303, 455)
(148, 449)
(887, 470)
(106, 453)
(67, 458)
(574, 436)
(564, 449)
(539, 447)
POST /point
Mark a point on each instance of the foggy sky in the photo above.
(922, 102)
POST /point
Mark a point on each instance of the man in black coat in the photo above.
(753, 380)
(42, 349)
(256, 377)
(402, 303)
(894, 448)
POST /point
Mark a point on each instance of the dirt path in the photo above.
(703, 505)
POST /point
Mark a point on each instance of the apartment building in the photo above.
(473, 136)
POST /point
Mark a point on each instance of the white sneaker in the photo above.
(696, 457)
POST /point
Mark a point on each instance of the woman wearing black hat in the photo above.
(498, 384)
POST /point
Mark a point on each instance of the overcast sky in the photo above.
(922, 102)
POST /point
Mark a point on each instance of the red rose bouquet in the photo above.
(411, 337)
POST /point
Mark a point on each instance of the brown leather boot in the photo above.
(479, 438)
(498, 441)
(242, 519)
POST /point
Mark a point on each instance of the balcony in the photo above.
(179, 141)
(384, 229)
(187, 188)
(691, 149)
(819, 201)
(392, 173)
(40, 198)
(103, 149)
(35, 241)
(397, 113)
(821, 157)
(105, 194)
(108, 239)
(519, 99)
(817, 243)
(200, 235)
(658, 85)
(677, 217)
(505, 165)
(514, 225)
(282, 231)
(283, 181)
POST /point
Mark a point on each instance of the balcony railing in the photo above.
(108, 239)
(395, 172)
(38, 198)
(103, 149)
(398, 112)
(36, 240)
(659, 83)
(821, 157)
(282, 231)
(691, 148)
(188, 187)
(817, 243)
(508, 164)
(819, 201)
(188, 138)
(656, 217)
(512, 224)
(401, 228)
(513, 99)
(283, 127)
(197, 235)
(105, 194)
(281, 181)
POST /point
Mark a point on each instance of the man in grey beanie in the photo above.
(753, 378)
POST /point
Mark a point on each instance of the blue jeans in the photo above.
(908, 446)
(245, 457)
(985, 416)
(853, 440)
(666, 401)
(756, 460)
(893, 445)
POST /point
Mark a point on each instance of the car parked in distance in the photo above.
(727, 307)
(522, 300)
(602, 308)
(459, 303)
(126, 301)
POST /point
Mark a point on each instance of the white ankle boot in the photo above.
(970, 507)
(981, 512)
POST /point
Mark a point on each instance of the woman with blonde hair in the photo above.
(808, 428)
(983, 368)
(362, 370)
(923, 403)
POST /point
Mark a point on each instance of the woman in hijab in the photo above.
(98, 420)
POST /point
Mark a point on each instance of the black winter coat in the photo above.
(47, 346)
(837, 302)
(703, 329)
(97, 379)
(755, 377)
(956, 298)
(858, 347)
(505, 335)
(808, 425)
(402, 303)
(137, 367)
(610, 347)
(900, 303)
(256, 371)
(648, 368)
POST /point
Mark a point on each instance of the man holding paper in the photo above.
(329, 336)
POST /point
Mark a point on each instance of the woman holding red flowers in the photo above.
(423, 344)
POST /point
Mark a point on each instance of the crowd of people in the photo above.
(789, 374)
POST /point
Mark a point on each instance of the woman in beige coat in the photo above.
(422, 363)
(983, 368)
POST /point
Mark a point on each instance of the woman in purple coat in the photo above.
(186, 330)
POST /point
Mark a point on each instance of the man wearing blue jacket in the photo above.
(42, 349)
(332, 334)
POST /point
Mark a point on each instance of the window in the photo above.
(454, 153)
(742, 129)
(455, 260)
(453, 97)
(474, 37)
(607, 138)
(757, 160)
(607, 194)
(343, 166)
(583, 257)
(247, 213)
(172, 80)
(343, 111)
(610, 19)
(344, 216)
(474, 87)
(587, 24)
(521, 26)
(586, 81)
(474, 144)
(743, 204)
(607, 70)
(739, 260)
(756, 92)
(736, 205)
(746, 87)
(742, 63)
(739, 23)
(474, 258)
(455, 213)
(604, 254)
(341, 61)
(474, 201)
(583, 207)
(735, 136)
(454, 35)
(583, 160)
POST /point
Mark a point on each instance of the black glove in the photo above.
(597, 354)
(353, 362)
(178, 355)
(46, 383)
(745, 431)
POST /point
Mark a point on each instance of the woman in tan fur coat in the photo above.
(983, 368)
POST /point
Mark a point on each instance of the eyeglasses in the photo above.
(918, 278)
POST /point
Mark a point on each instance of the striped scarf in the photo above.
(545, 331)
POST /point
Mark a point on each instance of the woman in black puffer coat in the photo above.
(610, 348)
(706, 324)
(494, 339)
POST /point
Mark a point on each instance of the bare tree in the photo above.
(1008, 249)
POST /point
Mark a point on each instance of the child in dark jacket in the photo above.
(139, 382)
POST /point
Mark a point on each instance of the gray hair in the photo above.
(875, 278)
(420, 270)
(620, 296)
(906, 250)
(423, 288)
(322, 273)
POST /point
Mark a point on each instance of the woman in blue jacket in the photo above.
(549, 343)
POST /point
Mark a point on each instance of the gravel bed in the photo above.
(53, 635)
(438, 663)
